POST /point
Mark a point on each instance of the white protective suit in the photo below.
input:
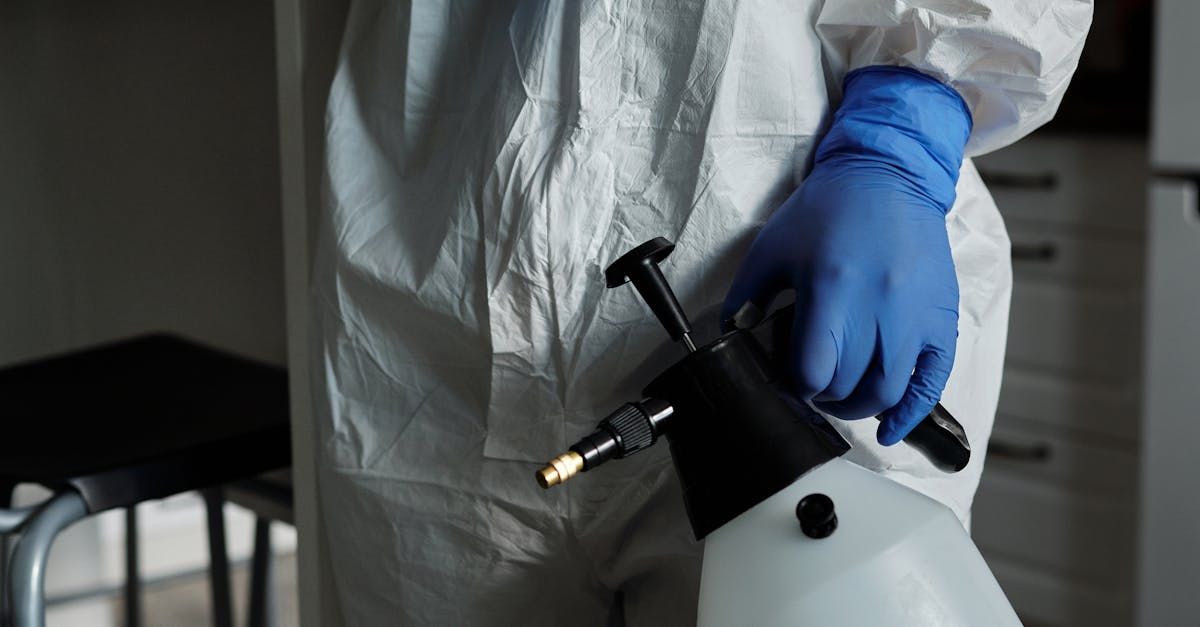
(486, 161)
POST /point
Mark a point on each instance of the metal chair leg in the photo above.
(12, 519)
(133, 582)
(5, 606)
(260, 576)
(218, 565)
(28, 579)
(6, 494)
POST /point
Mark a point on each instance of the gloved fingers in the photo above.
(924, 390)
(814, 345)
(881, 386)
(856, 350)
(758, 280)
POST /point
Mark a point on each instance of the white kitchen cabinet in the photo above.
(1169, 564)
(1056, 512)
(1169, 535)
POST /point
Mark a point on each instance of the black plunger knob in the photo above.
(640, 265)
(817, 518)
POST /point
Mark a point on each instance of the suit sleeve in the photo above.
(1010, 60)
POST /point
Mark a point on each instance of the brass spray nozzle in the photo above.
(629, 429)
(560, 469)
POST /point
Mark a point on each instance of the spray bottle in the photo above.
(794, 535)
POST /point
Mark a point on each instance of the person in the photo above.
(486, 160)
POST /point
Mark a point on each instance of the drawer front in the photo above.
(1045, 600)
(1070, 181)
(1045, 454)
(1075, 331)
(1084, 406)
(1068, 533)
(1049, 252)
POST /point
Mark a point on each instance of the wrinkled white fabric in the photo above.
(1010, 61)
(486, 160)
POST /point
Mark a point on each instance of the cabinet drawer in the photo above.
(1044, 251)
(1041, 453)
(1053, 529)
(1091, 332)
(1070, 180)
(1046, 600)
(1083, 406)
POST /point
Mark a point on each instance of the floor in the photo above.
(183, 601)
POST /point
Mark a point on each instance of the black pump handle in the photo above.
(939, 437)
(640, 266)
(942, 440)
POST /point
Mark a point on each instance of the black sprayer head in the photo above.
(735, 438)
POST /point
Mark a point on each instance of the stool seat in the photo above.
(141, 419)
(268, 496)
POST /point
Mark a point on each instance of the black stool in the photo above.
(269, 497)
(124, 423)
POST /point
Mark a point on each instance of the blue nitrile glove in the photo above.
(863, 243)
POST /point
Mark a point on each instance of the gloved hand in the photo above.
(863, 243)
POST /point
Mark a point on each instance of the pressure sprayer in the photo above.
(793, 534)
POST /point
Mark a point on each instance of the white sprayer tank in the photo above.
(897, 558)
